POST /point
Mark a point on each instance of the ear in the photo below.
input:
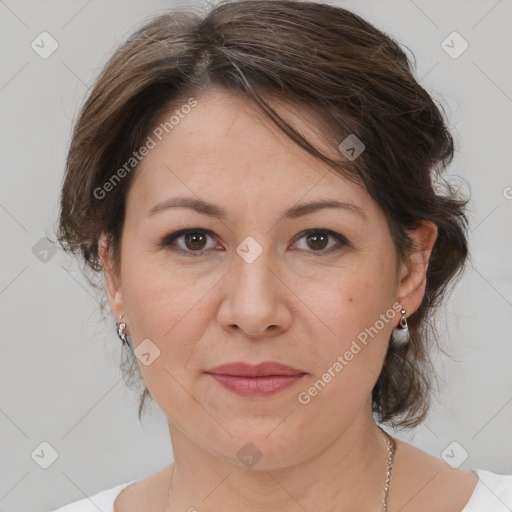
(112, 280)
(413, 272)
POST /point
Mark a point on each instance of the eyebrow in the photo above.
(294, 212)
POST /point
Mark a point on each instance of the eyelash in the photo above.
(169, 239)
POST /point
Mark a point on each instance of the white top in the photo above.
(493, 493)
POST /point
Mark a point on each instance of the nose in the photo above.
(256, 300)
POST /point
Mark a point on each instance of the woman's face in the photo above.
(255, 284)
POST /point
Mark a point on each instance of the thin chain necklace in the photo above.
(390, 442)
(391, 447)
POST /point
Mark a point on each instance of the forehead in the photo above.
(228, 147)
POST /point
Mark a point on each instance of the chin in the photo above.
(261, 445)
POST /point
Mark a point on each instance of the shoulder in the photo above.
(150, 493)
(493, 493)
(103, 500)
(422, 482)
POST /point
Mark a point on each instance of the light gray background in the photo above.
(60, 381)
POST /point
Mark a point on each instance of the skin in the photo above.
(296, 303)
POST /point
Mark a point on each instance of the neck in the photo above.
(347, 474)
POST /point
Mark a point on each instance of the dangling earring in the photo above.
(120, 332)
(401, 333)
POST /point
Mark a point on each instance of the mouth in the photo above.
(261, 380)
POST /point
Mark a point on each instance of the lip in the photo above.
(264, 369)
(261, 380)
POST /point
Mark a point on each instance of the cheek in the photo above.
(355, 304)
(349, 356)
(357, 320)
(157, 295)
(171, 310)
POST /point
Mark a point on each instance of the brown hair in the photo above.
(355, 77)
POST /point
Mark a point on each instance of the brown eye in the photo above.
(189, 242)
(317, 241)
(195, 241)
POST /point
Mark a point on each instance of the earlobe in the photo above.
(413, 276)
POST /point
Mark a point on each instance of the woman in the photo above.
(257, 187)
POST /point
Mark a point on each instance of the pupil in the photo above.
(315, 237)
(194, 238)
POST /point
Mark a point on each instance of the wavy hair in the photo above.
(356, 78)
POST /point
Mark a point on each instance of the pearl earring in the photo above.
(124, 337)
(400, 333)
